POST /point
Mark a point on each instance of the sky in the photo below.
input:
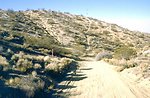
(131, 14)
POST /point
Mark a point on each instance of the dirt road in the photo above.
(97, 79)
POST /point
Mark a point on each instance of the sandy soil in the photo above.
(97, 79)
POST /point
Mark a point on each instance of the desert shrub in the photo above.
(46, 43)
(40, 42)
(46, 58)
(61, 51)
(92, 34)
(3, 61)
(58, 66)
(39, 58)
(106, 32)
(37, 66)
(145, 69)
(34, 73)
(123, 63)
(131, 44)
(108, 48)
(23, 65)
(127, 64)
(16, 57)
(30, 85)
(78, 49)
(21, 62)
(124, 52)
(102, 55)
(17, 39)
(113, 28)
(13, 81)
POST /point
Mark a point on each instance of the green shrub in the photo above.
(42, 42)
(124, 52)
(61, 51)
(46, 43)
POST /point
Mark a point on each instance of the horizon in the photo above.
(132, 15)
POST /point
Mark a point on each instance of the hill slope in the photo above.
(75, 32)
(37, 46)
(87, 33)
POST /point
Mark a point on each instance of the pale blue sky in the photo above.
(133, 14)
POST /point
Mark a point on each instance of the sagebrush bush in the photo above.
(123, 63)
(124, 52)
(30, 85)
(102, 55)
(23, 65)
(37, 66)
(3, 61)
(59, 66)
(47, 44)
(13, 81)
(40, 42)
(106, 32)
(78, 49)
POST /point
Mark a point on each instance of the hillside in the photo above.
(41, 46)
(89, 34)
(72, 30)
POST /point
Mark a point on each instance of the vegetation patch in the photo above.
(124, 52)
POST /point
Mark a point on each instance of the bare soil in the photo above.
(97, 79)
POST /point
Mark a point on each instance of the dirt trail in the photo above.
(97, 79)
